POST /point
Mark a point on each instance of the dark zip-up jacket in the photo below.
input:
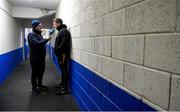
(63, 42)
(37, 45)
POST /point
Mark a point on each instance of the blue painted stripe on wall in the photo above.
(98, 94)
(85, 98)
(8, 62)
(89, 99)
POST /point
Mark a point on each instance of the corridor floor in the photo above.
(15, 93)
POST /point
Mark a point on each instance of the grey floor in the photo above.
(15, 93)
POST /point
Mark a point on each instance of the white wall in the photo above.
(133, 43)
(4, 5)
(23, 12)
(11, 31)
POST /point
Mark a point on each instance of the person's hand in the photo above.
(49, 38)
(63, 58)
(51, 31)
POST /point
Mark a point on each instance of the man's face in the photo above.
(54, 24)
(57, 24)
(39, 27)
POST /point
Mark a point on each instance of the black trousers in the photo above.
(38, 68)
(64, 72)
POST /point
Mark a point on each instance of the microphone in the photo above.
(51, 31)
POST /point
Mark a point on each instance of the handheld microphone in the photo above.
(51, 31)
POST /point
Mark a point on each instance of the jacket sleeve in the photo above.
(34, 40)
(63, 43)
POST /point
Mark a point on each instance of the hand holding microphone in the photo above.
(51, 31)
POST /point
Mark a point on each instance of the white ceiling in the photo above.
(42, 4)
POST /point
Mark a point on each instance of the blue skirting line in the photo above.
(8, 62)
(97, 94)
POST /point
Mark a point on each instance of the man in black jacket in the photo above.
(62, 50)
(37, 56)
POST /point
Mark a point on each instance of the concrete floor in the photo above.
(15, 93)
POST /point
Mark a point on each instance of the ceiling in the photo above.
(41, 4)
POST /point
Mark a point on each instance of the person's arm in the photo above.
(63, 43)
(34, 40)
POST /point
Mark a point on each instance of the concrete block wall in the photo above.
(131, 43)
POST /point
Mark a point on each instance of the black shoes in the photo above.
(35, 91)
(62, 91)
(43, 87)
(59, 86)
(38, 89)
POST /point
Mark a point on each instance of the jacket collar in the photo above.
(61, 27)
(37, 32)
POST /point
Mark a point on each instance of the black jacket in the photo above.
(37, 45)
(63, 42)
